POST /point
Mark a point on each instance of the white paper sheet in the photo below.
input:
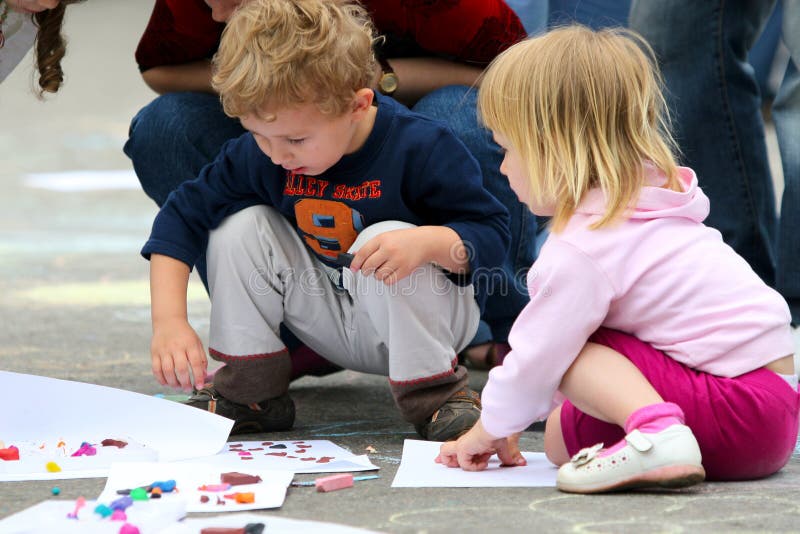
(418, 470)
(94, 180)
(296, 456)
(274, 525)
(41, 409)
(269, 493)
(49, 517)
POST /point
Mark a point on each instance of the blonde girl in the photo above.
(663, 344)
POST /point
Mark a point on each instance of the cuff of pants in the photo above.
(418, 399)
(252, 379)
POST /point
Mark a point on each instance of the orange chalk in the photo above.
(247, 497)
(334, 482)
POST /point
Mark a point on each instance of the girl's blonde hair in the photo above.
(584, 109)
(286, 52)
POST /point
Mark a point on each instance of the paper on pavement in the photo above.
(418, 470)
(269, 493)
(49, 411)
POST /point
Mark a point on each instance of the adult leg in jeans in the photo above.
(786, 114)
(457, 106)
(172, 138)
(713, 96)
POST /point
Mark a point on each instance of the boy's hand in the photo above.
(392, 256)
(176, 351)
(472, 450)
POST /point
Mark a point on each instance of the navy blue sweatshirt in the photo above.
(411, 168)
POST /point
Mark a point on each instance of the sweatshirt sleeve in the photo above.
(232, 182)
(570, 298)
(450, 192)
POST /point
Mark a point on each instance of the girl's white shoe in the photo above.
(669, 459)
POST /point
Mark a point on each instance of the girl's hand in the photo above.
(32, 6)
(392, 256)
(176, 351)
(472, 450)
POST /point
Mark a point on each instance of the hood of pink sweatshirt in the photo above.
(655, 202)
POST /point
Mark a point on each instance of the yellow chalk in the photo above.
(52, 467)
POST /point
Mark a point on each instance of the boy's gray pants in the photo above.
(261, 274)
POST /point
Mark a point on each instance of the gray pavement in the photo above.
(75, 305)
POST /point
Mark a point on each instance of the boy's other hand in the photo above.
(472, 451)
(392, 256)
(178, 355)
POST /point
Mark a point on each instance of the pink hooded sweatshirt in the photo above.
(661, 275)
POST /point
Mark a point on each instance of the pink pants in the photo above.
(746, 426)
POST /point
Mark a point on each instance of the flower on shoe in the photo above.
(586, 455)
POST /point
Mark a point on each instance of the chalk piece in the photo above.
(237, 479)
(102, 510)
(334, 482)
(139, 494)
(204, 499)
(11, 453)
(56, 490)
(222, 530)
(127, 528)
(246, 497)
(52, 467)
(278, 446)
(214, 487)
(119, 515)
(114, 443)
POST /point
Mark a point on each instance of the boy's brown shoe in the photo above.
(266, 416)
(454, 418)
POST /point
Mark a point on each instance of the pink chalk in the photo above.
(334, 482)
(127, 528)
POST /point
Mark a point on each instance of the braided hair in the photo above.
(50, 46)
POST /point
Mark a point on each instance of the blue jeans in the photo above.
(174, 136)
(593, 13)
(714, 98)
(457, 106)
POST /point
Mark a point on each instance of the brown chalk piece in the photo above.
(204, 499)
(250, 528)
(114, 443)
(334, 482)
(237, 479)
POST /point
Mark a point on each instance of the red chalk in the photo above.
(11, 453)
(334, 482)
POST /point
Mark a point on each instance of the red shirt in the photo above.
(474, 31)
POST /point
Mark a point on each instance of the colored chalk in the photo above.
(334, 482)
(102, 510)
(238, 479)
(166, 486)
(250, 528)
(355, 479)
(214, 487)
(80, 502)
(139, 494)
(242, 498)
(119, 515)
(127, 528)
(56, 490)
(114, 443)
(11, 453)
(86, 449)
(122, 503)
(52, 467)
